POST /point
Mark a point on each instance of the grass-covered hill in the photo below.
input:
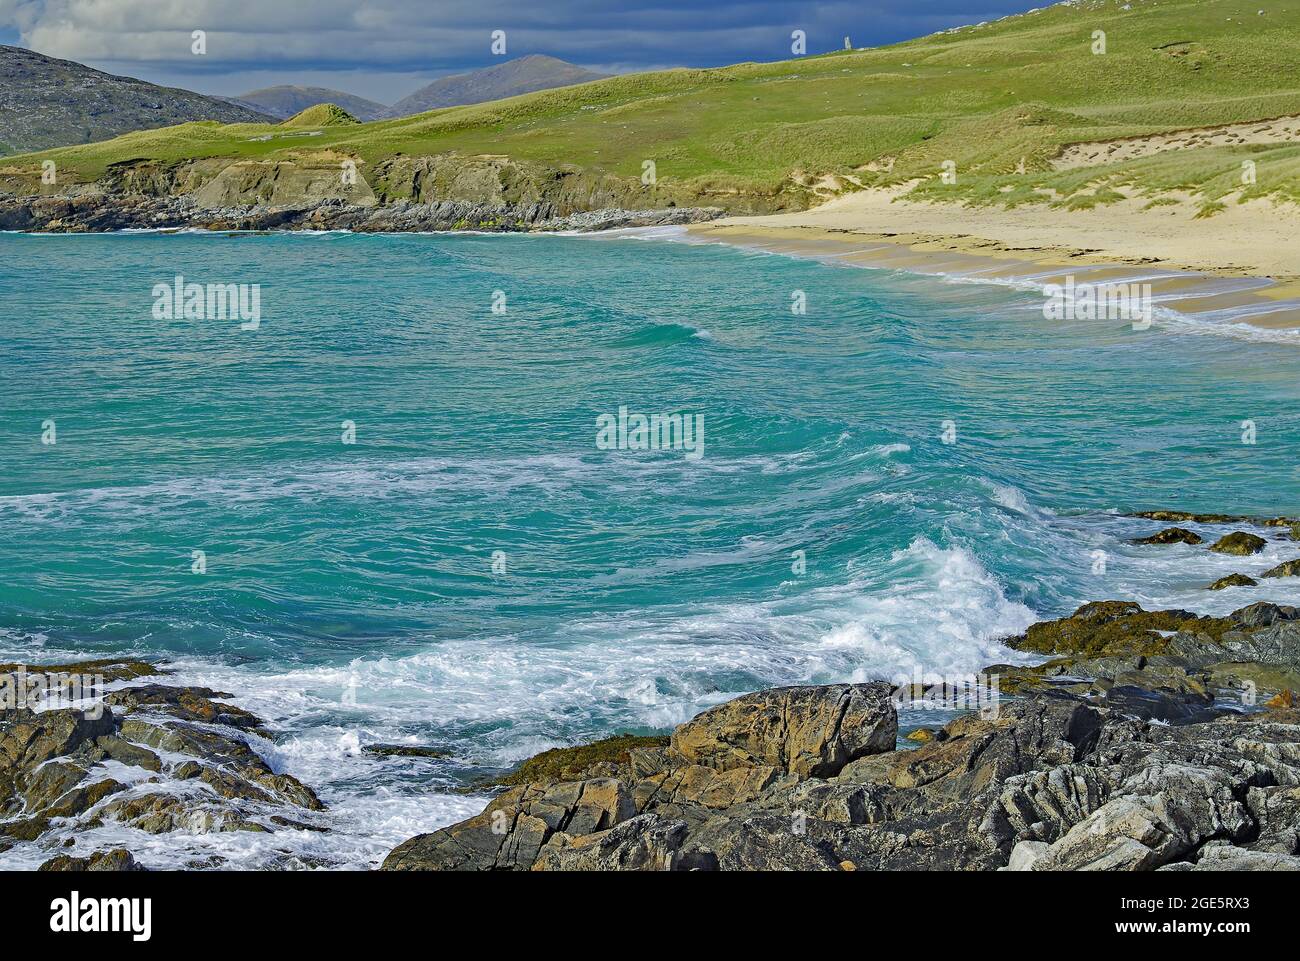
(989, 97)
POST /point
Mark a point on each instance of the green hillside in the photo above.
(987, 97)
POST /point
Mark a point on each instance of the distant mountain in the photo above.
(287, 100)
(46, 102)
(509, 79)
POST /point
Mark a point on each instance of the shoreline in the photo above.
(1256, 288)
(875, 229)
(878, 775)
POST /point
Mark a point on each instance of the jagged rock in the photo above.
(1171, 535)
(405, 750)
(1133, 834)
(806, 731)
(510, 833)
(643, 843)
(1229, 858)
(1276, 811)
(837, 803)
(120, 749)
(1277, 644)
(118, 859)
(1239, 543)
(188, 703)
(1201, 518)
(49, 763)
(1042, 805)
(766, 843)
(1025, 854)
(1285, 569)
(1050, 782)
(28, 738)
(581, 762)
(1172, 707)
(706, 787)
(159, 813)
(1111, 628)
(1263, 614)
(1232, 580)
(1251, 650)
(231, 767)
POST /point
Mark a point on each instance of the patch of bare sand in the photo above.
(1281, 130)
(1257, 242)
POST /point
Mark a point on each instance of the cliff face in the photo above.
(331, 189)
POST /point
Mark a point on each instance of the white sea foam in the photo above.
(1229, 322)
(374, 480)
(494, 700)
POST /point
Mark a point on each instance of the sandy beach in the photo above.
(1241, 265)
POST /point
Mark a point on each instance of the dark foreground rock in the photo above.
(1175, 516)
(1233, 580)
(1239, 543)
(1138, 746)
(1171, 535)
(118, 859)
(193, 767)
(805, 731)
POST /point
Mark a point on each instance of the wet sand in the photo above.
(1241, 266)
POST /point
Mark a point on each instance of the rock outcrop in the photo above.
(1171, 535)
(1147, 740)
(1133, 749)
(213, 207)
(1239, 543)
(151, 756)
(805, 731)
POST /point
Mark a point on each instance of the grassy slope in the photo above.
(983, 96)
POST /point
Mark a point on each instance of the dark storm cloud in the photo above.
(152, 38)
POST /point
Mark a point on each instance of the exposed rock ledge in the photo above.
(1116, 756)
(192, 762)
(1148, 740)
(97, 212)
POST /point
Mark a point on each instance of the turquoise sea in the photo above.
(465, 568)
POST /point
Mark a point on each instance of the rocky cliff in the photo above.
(331, 190)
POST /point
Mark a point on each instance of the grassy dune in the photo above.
(988, 98)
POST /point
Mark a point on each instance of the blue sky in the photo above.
(384, 49)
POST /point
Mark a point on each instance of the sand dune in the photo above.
(1281, 130)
